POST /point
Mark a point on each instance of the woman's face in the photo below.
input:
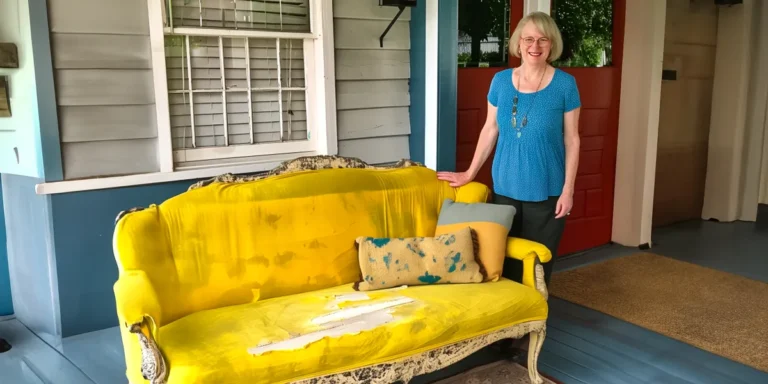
(534, 46)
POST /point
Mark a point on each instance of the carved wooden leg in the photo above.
(534, 349)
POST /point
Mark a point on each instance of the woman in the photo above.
(533, 114)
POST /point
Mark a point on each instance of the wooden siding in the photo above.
(372, 97)
(102, 64)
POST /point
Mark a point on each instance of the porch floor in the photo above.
(582, 345)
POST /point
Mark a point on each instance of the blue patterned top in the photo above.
(531, 166)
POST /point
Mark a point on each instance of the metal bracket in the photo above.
(381, 38)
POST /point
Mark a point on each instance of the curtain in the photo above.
(737, 165)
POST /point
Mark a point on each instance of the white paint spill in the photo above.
(351, 312)
(349, 326)
(350, 297)
(347, 321)
(357, 296)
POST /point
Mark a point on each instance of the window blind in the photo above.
(235, 91)
(267, 15)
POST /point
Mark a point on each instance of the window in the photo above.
(587, 29)
(242, 80)
(483, 33)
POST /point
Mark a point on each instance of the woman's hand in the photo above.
(455, 179)
(564, 205)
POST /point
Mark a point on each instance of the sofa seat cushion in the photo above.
(277, 340)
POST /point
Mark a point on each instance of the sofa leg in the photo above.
(534, 349)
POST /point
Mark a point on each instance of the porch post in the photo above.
(638, 122)
(434, 72)
(430, 83)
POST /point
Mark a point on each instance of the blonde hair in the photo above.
(546, 25)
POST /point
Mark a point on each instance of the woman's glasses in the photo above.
(542, 41)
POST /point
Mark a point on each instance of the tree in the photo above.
(587, 29)
(480, 18)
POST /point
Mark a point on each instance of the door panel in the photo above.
(472, 87)
(590, 222)
(591, 219)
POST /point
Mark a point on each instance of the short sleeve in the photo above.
(572, 97)
(493, 91)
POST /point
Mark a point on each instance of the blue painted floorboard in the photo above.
(583, 344)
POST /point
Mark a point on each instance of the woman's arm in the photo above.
(572, 148)
(485, 144)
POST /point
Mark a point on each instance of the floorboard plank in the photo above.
(671, 356)
(610, 365)
(32, 361)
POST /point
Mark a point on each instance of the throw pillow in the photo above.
(445, 259)
(490, 224)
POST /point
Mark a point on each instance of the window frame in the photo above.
(320, 90)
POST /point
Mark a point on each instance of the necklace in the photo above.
(514, 105)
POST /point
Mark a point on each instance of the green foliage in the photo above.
(587, 29)
(482, 18)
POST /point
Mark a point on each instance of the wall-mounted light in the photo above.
(401, 4)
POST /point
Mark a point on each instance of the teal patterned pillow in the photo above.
(444, 259)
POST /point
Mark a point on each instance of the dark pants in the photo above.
(533, 221)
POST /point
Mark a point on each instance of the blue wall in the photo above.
(83, 224)
(6, 304)
(447, 78)
(418, 40)
(30, 253)
(61, 250)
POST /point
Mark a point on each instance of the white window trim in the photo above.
(321, 111)
(537, 5)
(320, 88)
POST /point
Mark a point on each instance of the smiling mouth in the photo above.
(535, 54)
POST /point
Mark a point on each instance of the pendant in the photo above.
(514, 122)
(518, 134)
(525, 121)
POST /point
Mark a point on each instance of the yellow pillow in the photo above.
(445, 259)
(490, 224)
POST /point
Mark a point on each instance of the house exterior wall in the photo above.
(689, 50)
(83, 224)
(372, 92)
(104, 88)
(105, 95)
(100, 56)
(31, 260)
(29, 138)
(6, 303)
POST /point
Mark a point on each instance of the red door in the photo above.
(472, 91)
(589, 224)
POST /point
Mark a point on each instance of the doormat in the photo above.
(716, 311)
(500, 372)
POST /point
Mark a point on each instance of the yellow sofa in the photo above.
(251, 281)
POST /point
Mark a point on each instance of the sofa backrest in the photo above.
(232, 243)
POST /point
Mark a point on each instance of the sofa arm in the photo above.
(532, 255)
(136, 299)
(139, 311)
